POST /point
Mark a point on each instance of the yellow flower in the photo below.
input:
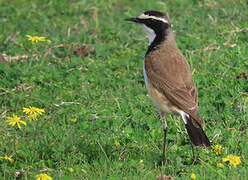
(233, 160)
(230, 102)
(33, 112)
(74, 120)
(15, 121)
(6, 157)
(193, 176)
(71, 170)
(37, 39)
(220, 165)
(117, 143)
(43, 177)
(217, 149)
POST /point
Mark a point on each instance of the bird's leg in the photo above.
(165, 131)
(193, 152)
(195, 161)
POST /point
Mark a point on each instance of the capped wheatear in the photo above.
(168, 77)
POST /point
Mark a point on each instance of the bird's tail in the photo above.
(196, 134)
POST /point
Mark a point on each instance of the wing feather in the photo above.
(172, 77)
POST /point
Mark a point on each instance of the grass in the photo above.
(105, 91)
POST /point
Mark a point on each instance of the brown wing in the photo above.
(170, 74)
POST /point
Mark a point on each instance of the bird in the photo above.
(168, 78)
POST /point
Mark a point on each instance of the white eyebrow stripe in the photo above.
(143, 16)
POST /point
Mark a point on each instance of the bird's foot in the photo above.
(162, 163)
(195, 161)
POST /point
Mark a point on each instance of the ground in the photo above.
(86, 74)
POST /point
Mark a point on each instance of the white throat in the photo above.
(150, 33)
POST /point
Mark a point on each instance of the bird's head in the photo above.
(155, 24)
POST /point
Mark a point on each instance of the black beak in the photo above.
(133, 20)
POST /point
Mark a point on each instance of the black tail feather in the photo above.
(196, 134)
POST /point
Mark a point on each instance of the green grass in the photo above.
(107, 89)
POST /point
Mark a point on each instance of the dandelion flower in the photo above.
(71, 170)
(193, 176)
(43, 177)
(233, 160)
(36, 39)
(8, 158)
(33, 112)
(15, 120)
(117, 143)
(220, 165)
(217, 149)
(74, 120)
